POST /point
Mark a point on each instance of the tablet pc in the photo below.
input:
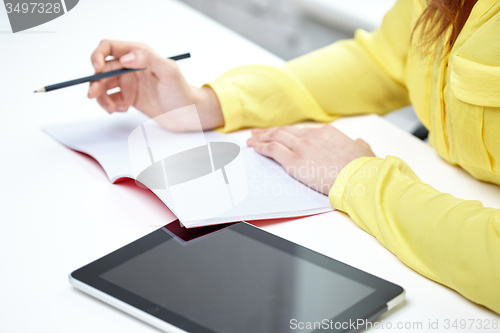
(236, 279)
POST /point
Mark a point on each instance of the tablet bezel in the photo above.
(368, 308)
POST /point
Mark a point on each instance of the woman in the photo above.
(442, 56)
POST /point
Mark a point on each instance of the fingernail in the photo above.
(122, 108)
(96, 65)
(128, 57)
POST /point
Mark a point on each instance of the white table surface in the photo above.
(58, 210)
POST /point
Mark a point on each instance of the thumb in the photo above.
(145, 58)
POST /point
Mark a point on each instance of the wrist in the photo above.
(209, 108)
(343, 183)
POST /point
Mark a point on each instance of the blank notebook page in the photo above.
(258, 188)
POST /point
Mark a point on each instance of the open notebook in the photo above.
(250, 187)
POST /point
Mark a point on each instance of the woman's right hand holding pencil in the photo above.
(158, 89)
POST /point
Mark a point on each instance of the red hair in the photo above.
(437, 19)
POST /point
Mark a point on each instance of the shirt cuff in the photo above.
(344, 182)
(230, 104)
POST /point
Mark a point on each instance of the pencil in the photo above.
(101, 76)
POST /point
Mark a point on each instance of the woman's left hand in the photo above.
(314, 156)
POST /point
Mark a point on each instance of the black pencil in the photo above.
(101, 76)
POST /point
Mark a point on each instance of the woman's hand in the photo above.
(157, 89)
(314, 156)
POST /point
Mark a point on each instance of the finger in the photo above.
(297, 131)
(106, 103)
(111, 83)
(93, 90)
(274, 150)
(116, 102)
(111, 48)
(101, 87)
(147, 58)
(274, 135)
(97, 88)
(120, 102)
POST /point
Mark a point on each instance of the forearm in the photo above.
(452, 241)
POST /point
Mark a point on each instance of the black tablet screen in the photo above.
(228, 282)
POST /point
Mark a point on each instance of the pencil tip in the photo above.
(34, 91)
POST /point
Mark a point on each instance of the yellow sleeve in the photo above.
(362, 75)
(452, 241)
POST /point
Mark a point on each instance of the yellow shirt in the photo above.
(456, 96)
